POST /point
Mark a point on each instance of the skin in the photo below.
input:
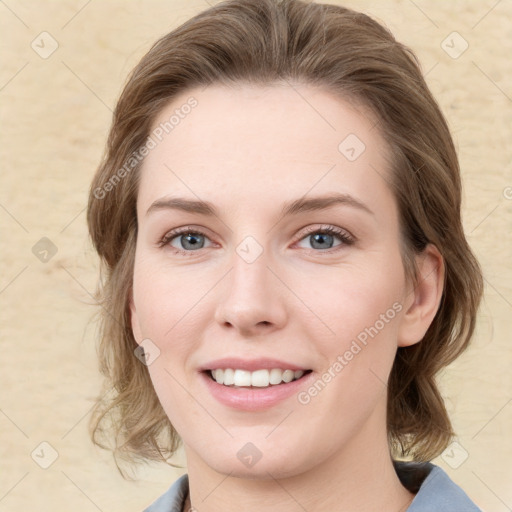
(248, 150)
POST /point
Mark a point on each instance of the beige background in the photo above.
(55, 115)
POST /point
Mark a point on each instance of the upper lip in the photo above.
(250, 364)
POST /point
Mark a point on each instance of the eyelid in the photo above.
(341, 232)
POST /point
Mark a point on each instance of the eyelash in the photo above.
(343, 235)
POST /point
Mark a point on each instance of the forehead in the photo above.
(247, 142)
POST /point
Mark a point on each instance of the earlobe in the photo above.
(423, 301)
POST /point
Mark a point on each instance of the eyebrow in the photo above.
(290, 208)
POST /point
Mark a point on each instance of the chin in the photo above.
(260, 471)
(240, 465)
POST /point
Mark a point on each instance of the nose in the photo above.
(252, 298)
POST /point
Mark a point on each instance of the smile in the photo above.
(260, 378)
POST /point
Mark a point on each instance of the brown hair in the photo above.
(267, 42)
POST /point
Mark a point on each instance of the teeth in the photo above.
(258, 378)
(229, 376)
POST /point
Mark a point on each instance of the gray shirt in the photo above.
(435, 491)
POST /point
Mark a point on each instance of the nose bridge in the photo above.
(251, 298)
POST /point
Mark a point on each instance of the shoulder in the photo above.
(173, 499)
(435, 491)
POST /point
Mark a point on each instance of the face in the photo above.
(293, 264)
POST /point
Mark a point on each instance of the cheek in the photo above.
(357, 359)
(166, 299)
(352, 301)
(360, 312)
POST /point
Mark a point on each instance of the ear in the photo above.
(134, 319)
(423, 301)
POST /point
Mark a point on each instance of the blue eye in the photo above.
(323, 238)
(188, 240)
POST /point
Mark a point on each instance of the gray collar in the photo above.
(433, 488)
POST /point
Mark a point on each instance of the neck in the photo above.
(358, 477)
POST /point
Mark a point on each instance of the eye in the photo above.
(323, 238)
(184, 240)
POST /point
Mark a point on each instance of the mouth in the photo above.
(263, 378)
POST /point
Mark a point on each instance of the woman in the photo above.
(278, 214)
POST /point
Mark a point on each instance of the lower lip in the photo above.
(254, 398)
